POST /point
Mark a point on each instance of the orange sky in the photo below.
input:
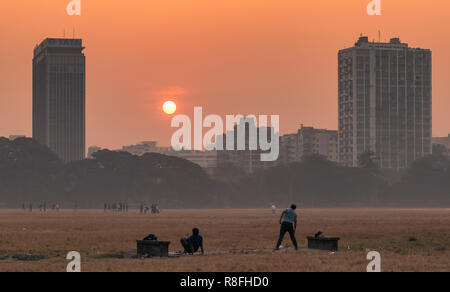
(228, 56)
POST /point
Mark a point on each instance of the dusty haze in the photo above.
(234, 56)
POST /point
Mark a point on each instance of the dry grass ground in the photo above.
(408, 240)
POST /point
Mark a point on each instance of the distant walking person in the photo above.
(288, 221)
(274, 209)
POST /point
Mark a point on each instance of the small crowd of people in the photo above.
(116, 207)
(154, 209)
(123, 207)
(42, 207)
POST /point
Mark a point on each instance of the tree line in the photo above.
(30, 172)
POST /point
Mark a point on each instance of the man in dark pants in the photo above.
(288, 221)
(192, 244)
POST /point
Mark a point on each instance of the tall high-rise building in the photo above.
(384, 102)
(59, 97)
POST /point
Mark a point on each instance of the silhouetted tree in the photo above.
(228, 171)
(425, 183)
(31, 172)
(439, 150)
(367, 159)
(26, 170)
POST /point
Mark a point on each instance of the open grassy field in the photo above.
(236, 240)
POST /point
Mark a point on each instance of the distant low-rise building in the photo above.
(14, 137)
(308, 141)
(205, 159)
(318, 141)
(144, 147)
(288, 148)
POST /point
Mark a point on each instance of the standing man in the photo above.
(288, 221)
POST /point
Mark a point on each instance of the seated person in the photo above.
(193, 243)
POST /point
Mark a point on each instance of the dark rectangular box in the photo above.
(152, 248)
(324, 243)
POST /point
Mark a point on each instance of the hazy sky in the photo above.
(228, 56)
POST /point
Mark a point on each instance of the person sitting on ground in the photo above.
(192, 244)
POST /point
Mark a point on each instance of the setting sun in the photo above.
(169, 107)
